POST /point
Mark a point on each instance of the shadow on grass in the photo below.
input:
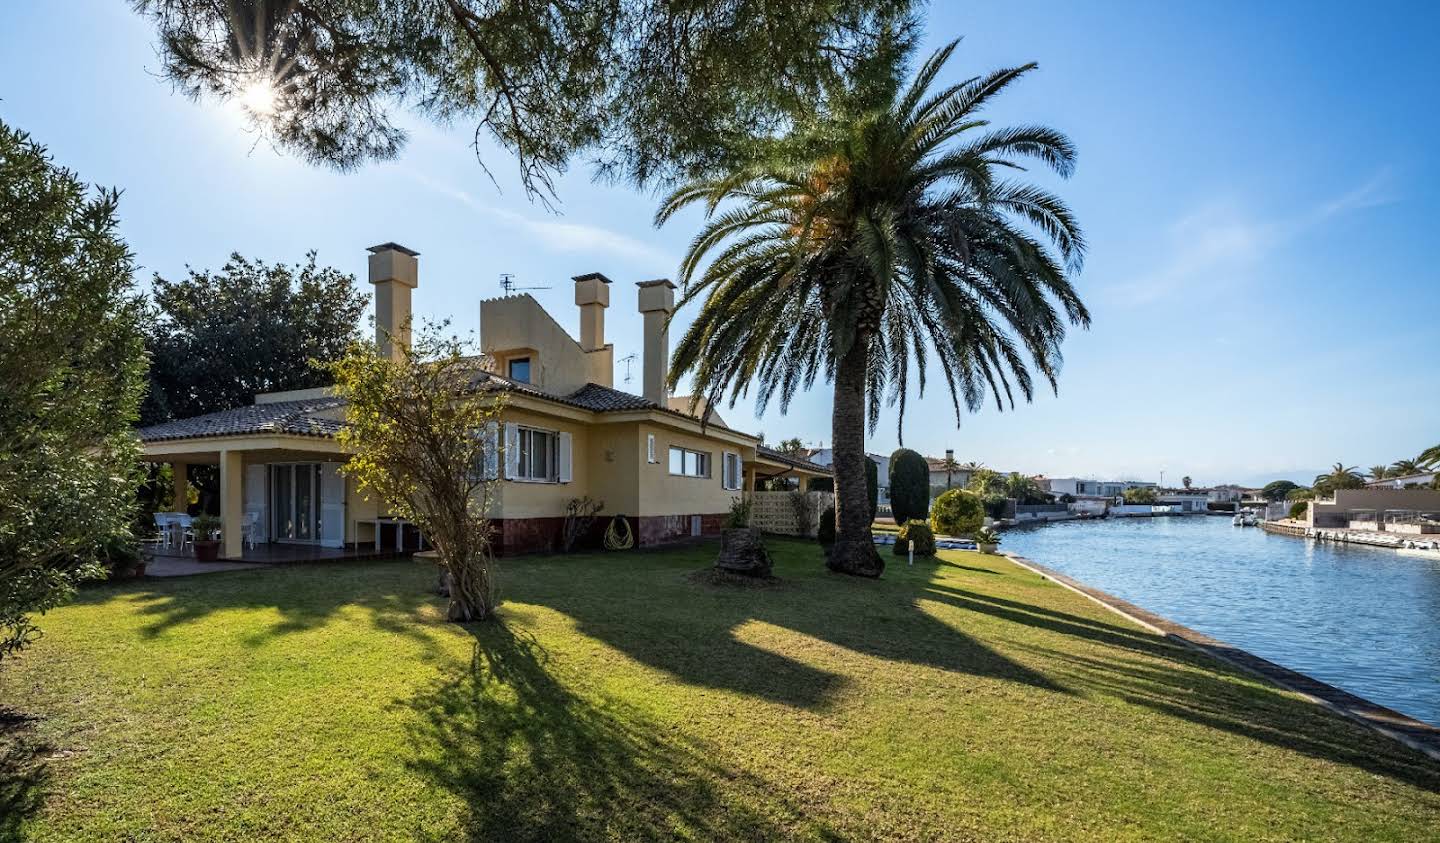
(1195, 688)
(689, 631)
(23, 773)
(532, 761)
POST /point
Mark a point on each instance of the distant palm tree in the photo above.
(1339, 477)
(1185, 481)
(950, 467)
(1379, 472)
(1430, 457)
(1405, 468)
(972, 466)
(879, 233)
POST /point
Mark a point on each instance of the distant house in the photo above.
(957, 478)
(566, 433)
(1423, 480)
(1084, 488)
(1188, 500)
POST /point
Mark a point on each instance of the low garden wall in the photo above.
(775, 512)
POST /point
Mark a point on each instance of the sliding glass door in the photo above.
(295, 499)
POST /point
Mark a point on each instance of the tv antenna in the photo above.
(627, 360)
(507, 283)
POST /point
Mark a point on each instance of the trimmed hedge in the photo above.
(909, 486)
(916, 533)
(825, 534)
(958, 512)
(1299, 509)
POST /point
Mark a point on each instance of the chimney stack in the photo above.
(394, 272)
(592, 296)
(657, 302)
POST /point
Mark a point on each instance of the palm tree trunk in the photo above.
(854, 549)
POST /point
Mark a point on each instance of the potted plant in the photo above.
(988, 540)
(742, 550)
(207, 546)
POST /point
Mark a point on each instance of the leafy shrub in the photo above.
(958, 512)
(994, 504)
(909, 486)
(739, 515)
(915, 534)
(579, 516)
(804, 507)
(1299, 509)
(826, 534)
(1140, 495)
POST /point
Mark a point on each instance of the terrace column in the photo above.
(232, 503)
(181, 473)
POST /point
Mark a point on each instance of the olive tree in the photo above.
(72, 372)
(423, 434)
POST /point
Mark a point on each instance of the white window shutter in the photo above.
(492, 451)
(563, 469)
(650, 447)
(512, 451)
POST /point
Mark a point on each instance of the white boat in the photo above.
(1238, 520)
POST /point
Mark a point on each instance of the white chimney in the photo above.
(657, 302)
(592, 296)
(394, 272)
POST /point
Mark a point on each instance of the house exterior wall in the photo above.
(1336, 512)
(517, 326)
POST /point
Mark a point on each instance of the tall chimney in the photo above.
(592, 296)
(394, 272)
(657, 302)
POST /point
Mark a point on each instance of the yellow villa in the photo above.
(568, 434)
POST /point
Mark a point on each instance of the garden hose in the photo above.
(619, 539)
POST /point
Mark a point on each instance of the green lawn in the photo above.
(623, 699)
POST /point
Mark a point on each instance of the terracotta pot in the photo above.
(207, 550)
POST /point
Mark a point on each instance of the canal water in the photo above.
(1364, 619)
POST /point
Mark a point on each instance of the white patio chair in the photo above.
(182, 528)
(162, 523)
(251, 528)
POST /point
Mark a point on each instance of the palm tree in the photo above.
(1405, 468)
(878, 233)
(1186, 481)
(1429, 457)
(950, 466)
(1379, 472)
(1339, 477)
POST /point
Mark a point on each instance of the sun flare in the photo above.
(259, 97)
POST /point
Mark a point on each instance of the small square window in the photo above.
(520, 369)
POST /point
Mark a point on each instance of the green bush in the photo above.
(909, 486)
(739, 515)
(826, 533)
(918, 534)
(994, 504)
(958, 512)
(1299, 510)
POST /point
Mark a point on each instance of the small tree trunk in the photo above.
(854, 549)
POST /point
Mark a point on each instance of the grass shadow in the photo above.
(533, 761)
(24, 774)
(689, 630)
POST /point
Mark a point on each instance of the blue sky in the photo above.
(1256, 181)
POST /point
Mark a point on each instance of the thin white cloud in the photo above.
(1221, 241)
(561, 235)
